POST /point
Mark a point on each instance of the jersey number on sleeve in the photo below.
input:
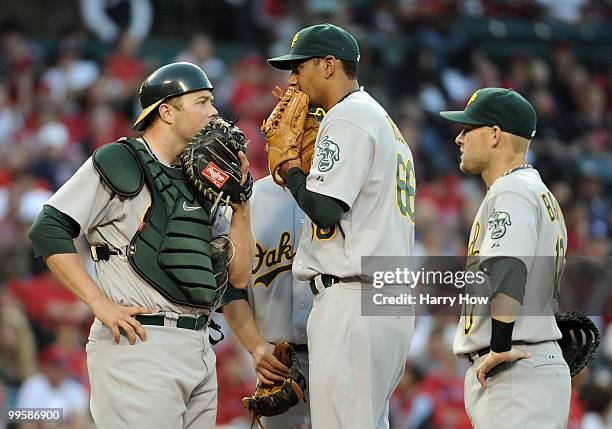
(405, 184)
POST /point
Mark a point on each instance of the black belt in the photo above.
(480, 353)
(185, 322)
(326, 279)
(486, 350)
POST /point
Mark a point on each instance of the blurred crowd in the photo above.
(60, 100)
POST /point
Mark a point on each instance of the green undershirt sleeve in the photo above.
(508, 276)
(323, 210)
(53, 232)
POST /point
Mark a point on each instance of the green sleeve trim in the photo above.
(119, 169)
(53, 232)
(231, 294)
(324, 211)
(508, 276)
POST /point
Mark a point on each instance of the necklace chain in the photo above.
(518, 167)
(512, 170)
(349, 93)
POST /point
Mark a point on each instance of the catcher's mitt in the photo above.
(271, 400)
(290, 132)
(211, 164)
(580, 339)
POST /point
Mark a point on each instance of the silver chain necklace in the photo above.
(518, 167)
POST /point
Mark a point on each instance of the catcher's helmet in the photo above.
(166, 82)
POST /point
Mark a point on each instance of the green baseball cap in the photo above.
(503, 107)
(319, 41)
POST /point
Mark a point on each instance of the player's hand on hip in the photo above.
(493, 359)
(268, 368)
(120, 318)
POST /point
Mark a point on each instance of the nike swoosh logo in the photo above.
(189, 208)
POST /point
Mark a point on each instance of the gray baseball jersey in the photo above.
(519, 217)
(105, 218)
(281, 304)
(367, 165)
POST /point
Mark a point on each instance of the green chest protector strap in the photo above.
(171, 249)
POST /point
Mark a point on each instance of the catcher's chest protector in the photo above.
(171, 249)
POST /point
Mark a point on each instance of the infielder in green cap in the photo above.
(518, 377)
(359, 199)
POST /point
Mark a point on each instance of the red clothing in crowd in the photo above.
(37, 294)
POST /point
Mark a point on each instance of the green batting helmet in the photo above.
(166, 82)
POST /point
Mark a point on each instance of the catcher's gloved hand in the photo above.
(290, 132)
(275, 399)
(580, 339)
(212, 166)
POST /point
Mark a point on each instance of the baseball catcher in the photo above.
(580, 339)
(291, 131)
(212, 166)
(161, 259)
(275, 399)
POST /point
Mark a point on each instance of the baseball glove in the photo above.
(289, 133)
(211, 164)
(271, 400)
(580, 339)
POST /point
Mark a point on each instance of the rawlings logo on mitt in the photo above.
(215, 174)
(271, 400)
(290, 131)
(212, 166)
